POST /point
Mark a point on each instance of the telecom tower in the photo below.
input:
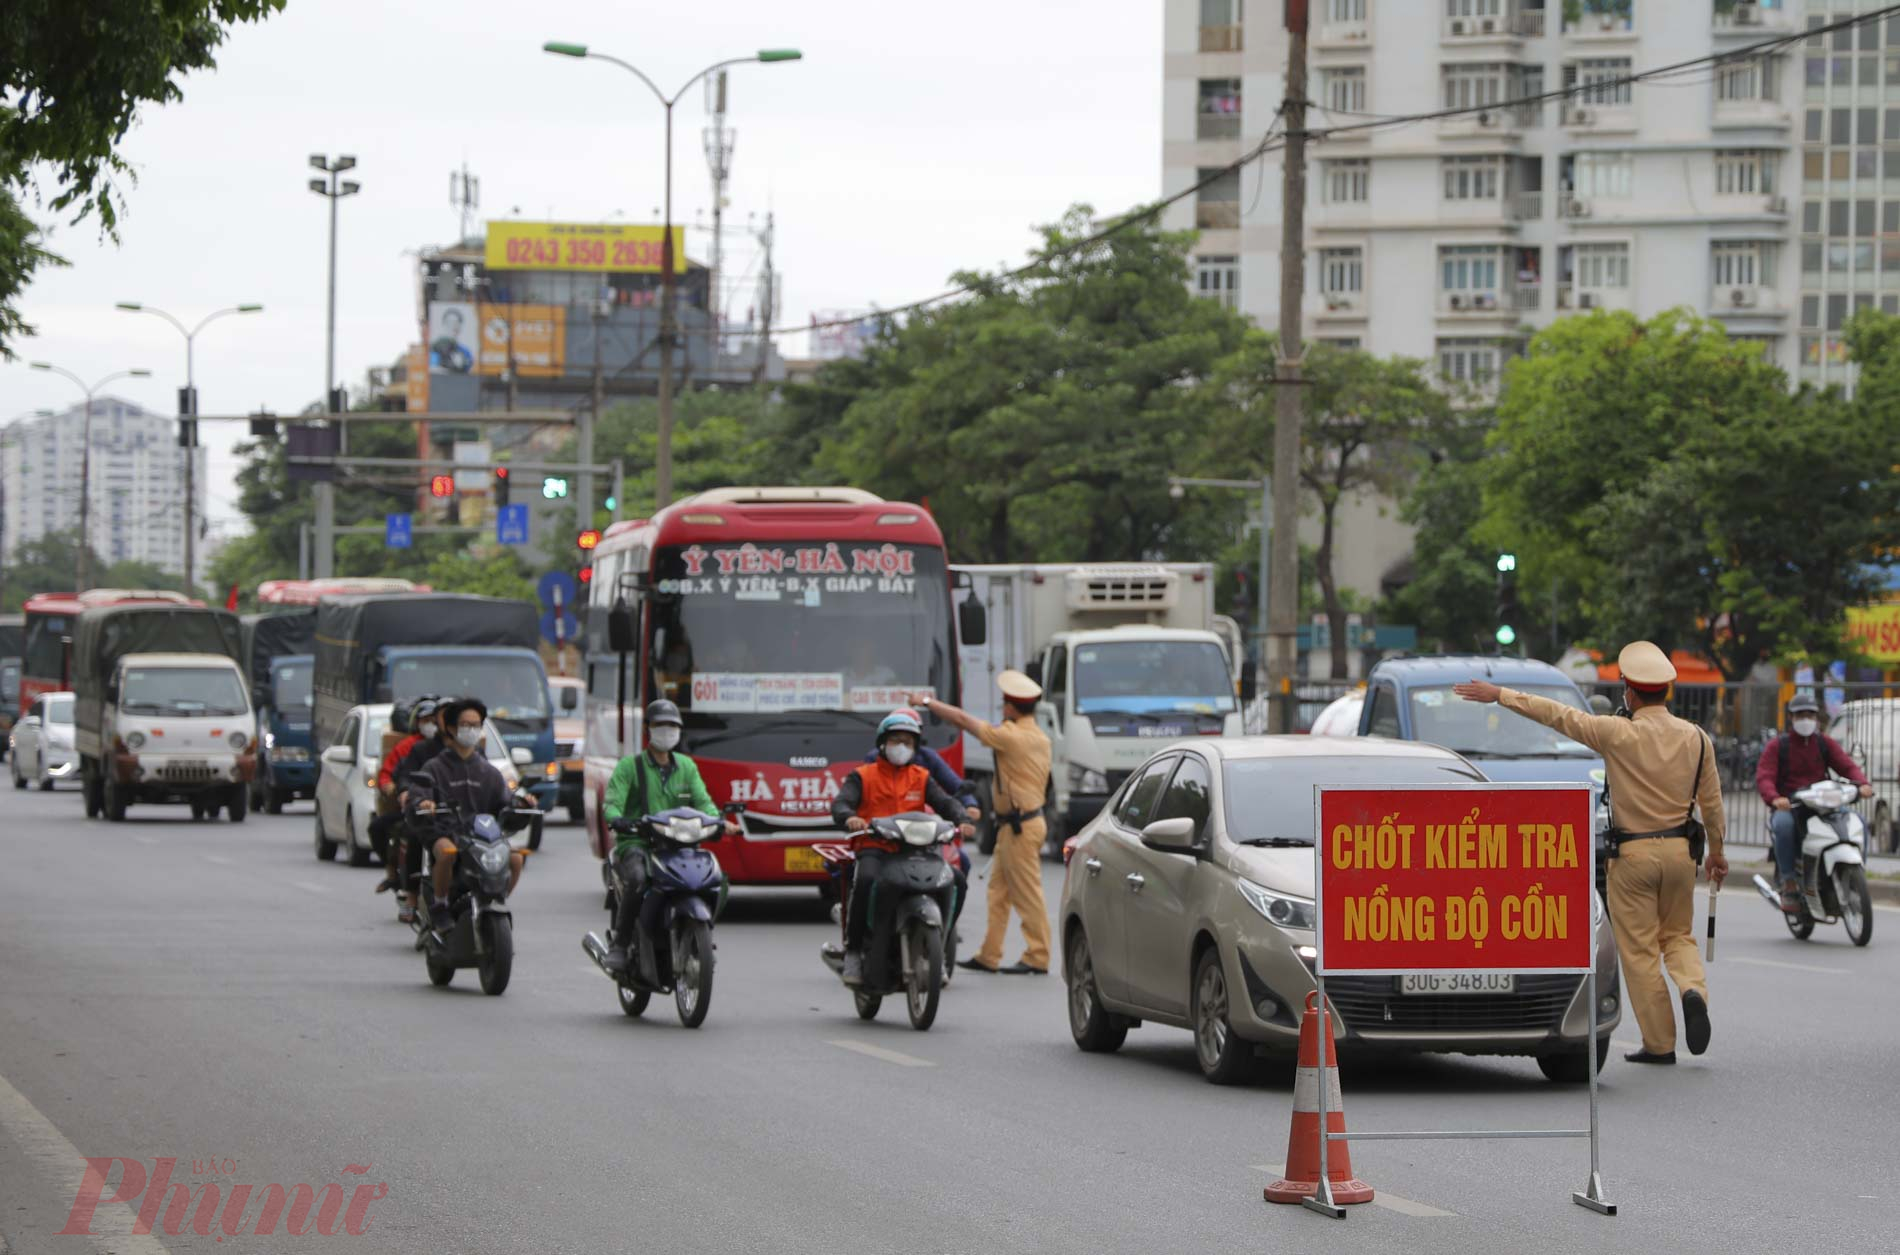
(719, 140)
(465, 193)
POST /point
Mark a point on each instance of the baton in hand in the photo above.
(1715, 890)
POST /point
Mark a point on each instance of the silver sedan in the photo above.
(1189, 901)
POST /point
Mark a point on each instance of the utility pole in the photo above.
(1283, 596)
(719, 141)
(334, 191)
(585, 425)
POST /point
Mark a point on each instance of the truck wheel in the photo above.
(274, 800)
(112, 801)
(89, 790)
(577, 814)
(235, 804)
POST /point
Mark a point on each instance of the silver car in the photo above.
(40, 749)
(1189, 901)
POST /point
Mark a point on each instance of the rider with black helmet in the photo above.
(461, 779)
(657, 779)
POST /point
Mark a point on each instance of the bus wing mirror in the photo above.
(620, 633)
(972, 621)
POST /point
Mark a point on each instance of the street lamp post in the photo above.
(84, 573)
(1177, 488)
(188, 411)
(663, 463)
(334, 189)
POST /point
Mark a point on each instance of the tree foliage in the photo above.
(47, 563)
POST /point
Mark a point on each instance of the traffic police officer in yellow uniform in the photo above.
(1016, 795)
(1658, 767)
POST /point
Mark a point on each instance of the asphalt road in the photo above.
(210, 992)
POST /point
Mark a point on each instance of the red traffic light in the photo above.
(586, 575)
(442, 486)
(589, 538)
(501, 472)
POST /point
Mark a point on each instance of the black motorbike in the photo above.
(904, 951)
(689, 887)
(478, 930)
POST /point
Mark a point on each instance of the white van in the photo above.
(176, 728)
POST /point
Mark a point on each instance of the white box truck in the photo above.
(1129, 655)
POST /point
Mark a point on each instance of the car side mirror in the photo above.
(1249, 684)
(1173, 836)
(973, 622)
(620, 627)
(341, 755)
(520, 756)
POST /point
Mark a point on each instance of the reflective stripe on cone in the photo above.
(1302, 1149)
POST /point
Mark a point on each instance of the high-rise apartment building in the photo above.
(1763, 191)
(137, 482)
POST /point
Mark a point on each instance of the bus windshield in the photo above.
(514, 688)
(789, 628)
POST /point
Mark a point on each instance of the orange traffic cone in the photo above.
(1302, 1148)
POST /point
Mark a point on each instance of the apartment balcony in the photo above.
(1595, 119)
(1217, 126)
(1749, 205)
(1338, 307)
(1527, 298)
(1478, 306)
(1730, 300)
(1217, 215)
(1574, 299)
(1336, 36)
(1527, 206)
(1221, 38)
(1600, 27)
(1750, 21)
(1507, 27)
(1751, 114)
(1505, 124)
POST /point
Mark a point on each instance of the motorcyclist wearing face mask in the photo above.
(660, 778)
(461, 779)
(1790, 763)
(895, 784)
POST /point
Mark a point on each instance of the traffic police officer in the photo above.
(1657, 767)
(1016, 797)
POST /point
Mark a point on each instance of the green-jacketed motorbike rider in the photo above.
(654, 780)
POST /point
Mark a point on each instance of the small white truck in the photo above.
(1129, 655)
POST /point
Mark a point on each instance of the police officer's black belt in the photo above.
(1617, 837)
(1016, 819)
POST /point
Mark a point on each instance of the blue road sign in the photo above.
(396, 530)
(557, 583)
(566, 632)
(511, 525)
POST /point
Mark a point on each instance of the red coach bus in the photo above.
(786, 622)
(49, 617)
(310, 592)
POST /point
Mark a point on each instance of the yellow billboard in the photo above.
(594, 247)
(1876, 629)
(532, 337)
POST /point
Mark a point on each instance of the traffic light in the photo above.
(612, 503)
(442, 485)
(501, 486)
(553, 487)
(585, 575)
(1507, 600)
(588, 539)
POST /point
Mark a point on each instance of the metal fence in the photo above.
(1742, 720)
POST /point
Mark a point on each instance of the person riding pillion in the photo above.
(895, 783)
(1790, 763)
(462, 780)
(659, 778)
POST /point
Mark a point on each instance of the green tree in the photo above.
(73, 75)
(45, 565)
(1449, 596)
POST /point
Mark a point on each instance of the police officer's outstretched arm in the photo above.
(1596, 731)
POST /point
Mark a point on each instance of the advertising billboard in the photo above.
(452, 336)
(533, 337)
(596, 247)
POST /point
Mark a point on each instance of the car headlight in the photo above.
(270, 740)
(492, 858)
(237, 740)
(1277, 908)
(134, 739)
(552, 771)
(1087, 779)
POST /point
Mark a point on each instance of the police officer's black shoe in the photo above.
(1695, 1019)
(1644, 1056)
(971, 965)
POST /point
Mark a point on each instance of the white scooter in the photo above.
(1833, 870)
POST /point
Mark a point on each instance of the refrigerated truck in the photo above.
(1129, 655)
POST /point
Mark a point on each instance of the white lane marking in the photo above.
(878, 1052)
(65, 1167)
(220, 860)
(1391, 1202)
(307, 887)
(146, 840)
(1792, 967)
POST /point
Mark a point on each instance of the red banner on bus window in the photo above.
(1494, 878)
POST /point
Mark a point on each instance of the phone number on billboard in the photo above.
(601, 254)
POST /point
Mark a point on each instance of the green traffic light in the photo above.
(1507, 562)
(613, 503)
(1507, 635)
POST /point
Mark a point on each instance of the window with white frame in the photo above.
(1468, 275)
(1218, 279)
(1744, 172)
(1347, 182)
(1595, 80)
(1469, 361)
(1753, 79)
(1342, 274)
(1602, 265)
(1344, 89)
(1742, 263)
(1605, 175)
(1472, 178)
(1474, 8)
(1473, 85)
(1339, 12)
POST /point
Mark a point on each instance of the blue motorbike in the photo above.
(688, 886)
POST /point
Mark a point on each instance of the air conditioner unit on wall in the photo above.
(1743, 298)
(1457, 301)
(1577, 209)
(1777, 204)
(1490, 26)
(1576, 115)
(1747, 15)
(1586, 300)
(1488, 119)
(1457, 26)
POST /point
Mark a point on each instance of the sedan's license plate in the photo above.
(1458, 983)
(803, 858)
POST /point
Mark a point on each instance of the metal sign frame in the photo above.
(1591, 1196)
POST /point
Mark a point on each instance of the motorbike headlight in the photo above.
(237, 740)
(1278, 908)
(918, 831)
(492, 858)
(1087, 779)
(134, 739)
(685, 831)
(270, 740)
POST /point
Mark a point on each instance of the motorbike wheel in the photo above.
(1095, 1028)
(499, 962)
(440, 973)
(1572, 1066)
(868, 1004)
(1857, 904)
(692, 971)
(1801, 923)
(633, 1001)
(923, 983)
(326, 848)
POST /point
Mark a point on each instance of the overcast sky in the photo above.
(913, 140)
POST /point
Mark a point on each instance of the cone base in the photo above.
(1351, 1190)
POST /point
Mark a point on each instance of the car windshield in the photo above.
(182, 691)
(59, 710)
(514, 689)
(291, 685)
(1487, 730)
(1271, 799)
(1152, 677)
(373, 726)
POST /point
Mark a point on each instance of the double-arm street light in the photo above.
(1177, 488)
(335, 189)
(663, 466)
(187, 412)
(84, 574)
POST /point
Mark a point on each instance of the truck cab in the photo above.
(286, 762)
(177, 728)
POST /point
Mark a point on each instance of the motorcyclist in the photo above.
(462, 780)
(420, 755)
(1790, 763)
(957, 787)
(894, 784)
(659, 778)
(414, 722)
